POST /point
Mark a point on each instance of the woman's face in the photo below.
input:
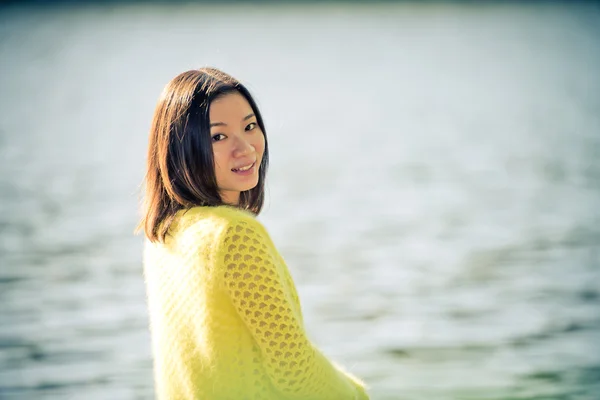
(238, 145)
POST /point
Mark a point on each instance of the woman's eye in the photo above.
(251, 126)
(218, 137)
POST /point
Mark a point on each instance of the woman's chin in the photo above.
(250, 184)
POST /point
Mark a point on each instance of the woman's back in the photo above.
(199, 342)
(225, 317)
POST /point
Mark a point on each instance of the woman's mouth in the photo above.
(245, 170)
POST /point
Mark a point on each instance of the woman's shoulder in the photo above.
(216, 219)
(200, 226)
(222, 226)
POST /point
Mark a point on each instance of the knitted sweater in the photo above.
(225, 317)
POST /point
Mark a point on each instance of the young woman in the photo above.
(225, 317)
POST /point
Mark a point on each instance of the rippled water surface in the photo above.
(434, 187)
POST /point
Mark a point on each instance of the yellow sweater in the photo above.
(225, 318)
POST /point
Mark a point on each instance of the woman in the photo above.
(225, 318)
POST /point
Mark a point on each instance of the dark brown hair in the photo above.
(180, 170)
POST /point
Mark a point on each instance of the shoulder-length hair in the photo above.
(180, 170)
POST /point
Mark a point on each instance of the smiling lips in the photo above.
(245, 168)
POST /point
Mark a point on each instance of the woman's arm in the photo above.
(253, 280)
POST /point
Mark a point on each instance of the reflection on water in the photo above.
(435, 188)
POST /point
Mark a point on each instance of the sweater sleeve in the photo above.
(255, 281)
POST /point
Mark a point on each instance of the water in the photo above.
(435, 188)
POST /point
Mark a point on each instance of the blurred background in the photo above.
(434, 187)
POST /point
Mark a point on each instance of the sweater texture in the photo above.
(225, 317)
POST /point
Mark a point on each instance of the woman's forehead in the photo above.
(230, 104)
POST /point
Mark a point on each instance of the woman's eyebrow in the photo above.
(247, 117)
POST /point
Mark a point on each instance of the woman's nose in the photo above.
(242, 148)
